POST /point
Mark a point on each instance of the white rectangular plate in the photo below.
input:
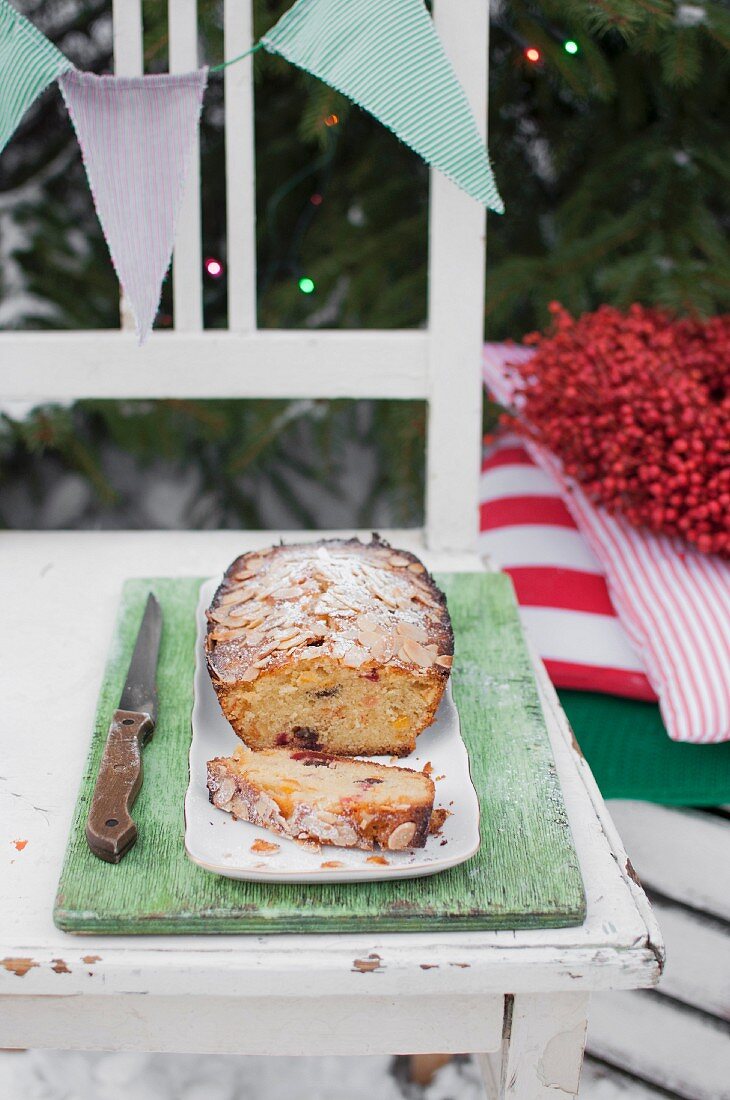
(218, 843)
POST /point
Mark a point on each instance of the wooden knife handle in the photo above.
(110, 830)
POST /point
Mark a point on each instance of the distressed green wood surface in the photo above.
(525, 874)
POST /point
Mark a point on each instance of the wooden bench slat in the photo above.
(683, 854)
(698, 959)
(673, 1047)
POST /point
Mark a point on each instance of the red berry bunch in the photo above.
(637, 407)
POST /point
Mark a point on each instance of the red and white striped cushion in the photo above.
(673, 602)
(567, 612)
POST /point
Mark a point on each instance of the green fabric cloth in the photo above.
(28, 63)
(631, 756)
(387, 57)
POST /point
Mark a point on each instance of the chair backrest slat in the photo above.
(187, 264)
(240, 169)
(127, 37)
(457, 226)
(128, 61)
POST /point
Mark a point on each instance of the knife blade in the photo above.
(110, 830)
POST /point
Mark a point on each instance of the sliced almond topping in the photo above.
(381, 595)
(224, 617)
(216, 615)
(264, 593)
(249, 674)
(416, 567)
(398, 561)
(445, 660)
(248, 594)
(292, 643)
(410, 630)
(233, 596)
(383, 649)
(244, 574)
(238, 614)
(366, 622)
(268, 648)
(333, 594)
(417, 653)
(355, 657)
(402, 836)
(221, 634)
(286, 593)
(369, 638)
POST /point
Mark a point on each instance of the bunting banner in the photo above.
(28, 64)
(136, 136)
(387, 57)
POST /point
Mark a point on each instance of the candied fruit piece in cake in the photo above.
(338, 646)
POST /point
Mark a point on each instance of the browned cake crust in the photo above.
(317, 798)
(335, 645)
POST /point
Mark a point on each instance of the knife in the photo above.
(110, 830)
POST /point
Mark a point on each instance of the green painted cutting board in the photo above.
(525, 874)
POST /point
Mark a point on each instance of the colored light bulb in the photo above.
(532, 54)
(306, 285)
(214, 267)
(315, 199)
(331, 120)
(570, 46)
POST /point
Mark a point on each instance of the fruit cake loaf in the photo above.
(340, 646)
(316, 797)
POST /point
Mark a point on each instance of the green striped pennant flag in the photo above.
(28, 63)
(386, 56)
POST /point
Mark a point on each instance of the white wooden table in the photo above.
(520, 998)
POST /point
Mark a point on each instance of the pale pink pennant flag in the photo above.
(136, 136)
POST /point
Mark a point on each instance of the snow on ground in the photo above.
(80, 1075)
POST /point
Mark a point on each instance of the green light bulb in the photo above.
(570, 46)
(306, 285)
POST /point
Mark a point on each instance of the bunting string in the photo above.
(233, 60)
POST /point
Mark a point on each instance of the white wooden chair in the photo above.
(520, 999)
